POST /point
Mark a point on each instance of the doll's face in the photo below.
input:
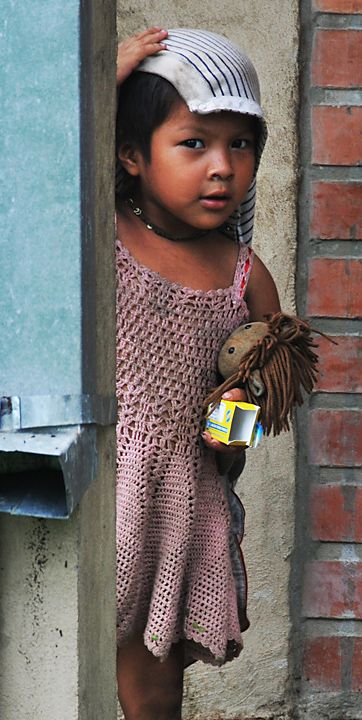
(242, 339)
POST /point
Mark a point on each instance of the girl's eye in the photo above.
(241, 143)
(193, 143)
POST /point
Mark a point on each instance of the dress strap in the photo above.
(243, 270)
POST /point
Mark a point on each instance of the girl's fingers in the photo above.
(235, 395)
(218, 446)
(152, 40)
(146, 37)
(149, 31)
(135, 49)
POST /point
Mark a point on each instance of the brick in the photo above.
(332, 511)
(332, 589)
(347, 7)
(358, 516)
(337, 138)
(335, 438)
(334, 288)
(333, 664)
(322, 659)
(336, 211)
(340, 366)
(357, 665)
(337, 59)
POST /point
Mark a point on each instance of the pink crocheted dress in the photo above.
(174, 573)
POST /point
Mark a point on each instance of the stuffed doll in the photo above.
(272, 361)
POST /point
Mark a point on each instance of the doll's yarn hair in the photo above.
(287, 362)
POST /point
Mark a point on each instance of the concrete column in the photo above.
(57, 577)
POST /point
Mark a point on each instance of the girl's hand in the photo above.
(235, 395)
(135, 49)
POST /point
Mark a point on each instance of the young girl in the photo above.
(190, 133)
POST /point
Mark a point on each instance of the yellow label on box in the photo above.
(235, 423)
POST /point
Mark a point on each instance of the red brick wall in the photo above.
(331, 276)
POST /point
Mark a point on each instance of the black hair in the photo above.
(144, 103)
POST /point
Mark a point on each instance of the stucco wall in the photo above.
(255, 685)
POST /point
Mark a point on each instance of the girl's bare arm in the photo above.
(135, 49)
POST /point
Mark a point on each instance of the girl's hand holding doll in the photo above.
(135, 49)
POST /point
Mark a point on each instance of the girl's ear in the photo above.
(129, 158)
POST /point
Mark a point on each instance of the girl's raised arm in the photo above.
(135, 49)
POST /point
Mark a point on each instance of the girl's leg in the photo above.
(149, 689)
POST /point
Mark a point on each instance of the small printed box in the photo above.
(235, 423)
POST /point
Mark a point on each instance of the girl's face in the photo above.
(200, 170)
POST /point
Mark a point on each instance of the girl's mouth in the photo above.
(215, 202)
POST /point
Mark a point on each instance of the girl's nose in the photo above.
(221, 167)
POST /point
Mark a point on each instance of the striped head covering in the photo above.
(211, 74)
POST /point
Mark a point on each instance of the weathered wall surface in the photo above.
(256, 685)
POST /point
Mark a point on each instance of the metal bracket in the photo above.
(10, 418)
(36, 411)
(45, 472)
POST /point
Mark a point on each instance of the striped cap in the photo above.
(211, 74)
